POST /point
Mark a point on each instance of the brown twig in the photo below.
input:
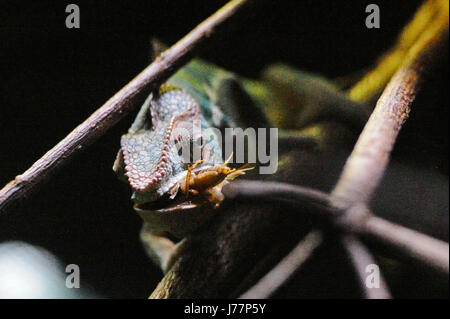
(369, 159)
(276, 190)
(286, 268)
(117, 106)
(406, 243)
(360, 257)
(367, 163)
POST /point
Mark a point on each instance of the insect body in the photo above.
(210, 181)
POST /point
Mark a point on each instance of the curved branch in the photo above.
(117, 106)
(277, 190)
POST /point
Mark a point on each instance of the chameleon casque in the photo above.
(175, 195)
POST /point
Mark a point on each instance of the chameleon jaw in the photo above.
(197, 186)
(177, 214)
(169, 197)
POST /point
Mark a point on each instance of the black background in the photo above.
(52, 78)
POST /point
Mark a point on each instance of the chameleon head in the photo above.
(163, 183)
(151, 151)
(150, 158)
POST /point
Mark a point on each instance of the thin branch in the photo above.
(277, 190)
(117, 106)
(408, 243)
(367, 163)
(286, 268)
(361, 257)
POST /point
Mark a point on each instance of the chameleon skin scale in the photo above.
(147, 155)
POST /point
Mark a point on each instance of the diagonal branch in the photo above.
(408, 243)
(361, 257)
(367, 163)
(117, 106)
(286, 268)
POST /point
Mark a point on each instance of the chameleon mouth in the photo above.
(193, 188)
(168, 204)
(163, 203)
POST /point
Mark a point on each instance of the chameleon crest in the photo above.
(149, 155)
